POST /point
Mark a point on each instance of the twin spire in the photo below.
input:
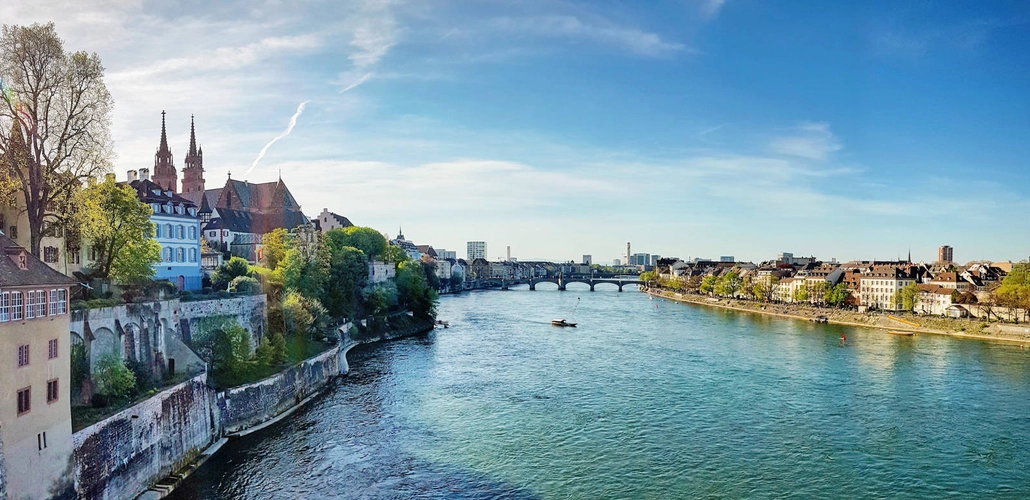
(165, 174)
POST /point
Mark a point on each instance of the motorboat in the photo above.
(561, 322)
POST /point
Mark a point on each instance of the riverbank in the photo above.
(146, 450)
(961, 328)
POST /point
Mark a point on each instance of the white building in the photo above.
(588, 259)
(880, 286)
(476, 250)
(379, 271)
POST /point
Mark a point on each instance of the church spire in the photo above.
(163, 148)
(193, 139)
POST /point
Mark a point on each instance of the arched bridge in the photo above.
(562, 281)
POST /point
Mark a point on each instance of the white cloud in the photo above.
(813, 141)
(604, 32)
(711, 8)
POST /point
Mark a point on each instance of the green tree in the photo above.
(274, 246)
(55, 115)
(117, 224)
(394, 254)
(264, 354)
(231, 349)
(707, 285)
(379, 297)
(366, 239)
(838, 295)
(907, 297)
(801, 293)
(113, 378)
(245, 285)
(278, 344)
(347, 276)
(234, 268)
(728, 284)
(1014, 290)
(414, 291)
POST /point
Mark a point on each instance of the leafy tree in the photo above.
(414, 291)
(728, 284)
(54, 122)
(234, 268)
(1014, 290)
(347, 275)
(801, 293)
(278, 345)
(366, 239)
(245, 285)
(379, 297)
(907, 297)
(274, 246)
(707, 285)
(302, 315)
(647, 276)
(263, 354)
(394, 254)
(118, 225)
(838, 295)
(113, 378)
(232, 348)
(694, 283)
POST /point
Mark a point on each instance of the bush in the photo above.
(144, 378)
(113, 378)
(245, 285)
(79, 365)
(278, 344)
(231, 349)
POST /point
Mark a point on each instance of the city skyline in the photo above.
(700, 128)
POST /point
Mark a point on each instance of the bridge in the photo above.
(562, 281)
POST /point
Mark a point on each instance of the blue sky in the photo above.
(690, 128)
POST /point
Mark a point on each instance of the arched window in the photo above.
(181, 233)
(179, 255)
(193, 255)
(168, 231)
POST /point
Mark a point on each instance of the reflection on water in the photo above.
(672, 401)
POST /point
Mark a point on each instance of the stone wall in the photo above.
(3, 474)
(246, 406)
(124, 454)
(198, 319)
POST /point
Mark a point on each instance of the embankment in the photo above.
(961, 328)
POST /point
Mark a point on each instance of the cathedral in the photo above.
(235, 216)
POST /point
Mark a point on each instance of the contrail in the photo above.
(289, 128)
(355, 84)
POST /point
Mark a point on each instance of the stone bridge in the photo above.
(563, 281)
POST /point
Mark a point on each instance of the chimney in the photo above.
(131, 176)
(509, 253)
(144, 174)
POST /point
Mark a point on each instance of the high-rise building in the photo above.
(727, 258)
(654, 259)
(640, 259)
(588, 259)
(616, 262)
(507, 255)
(476, 250)
(945, 254)
(446, 254)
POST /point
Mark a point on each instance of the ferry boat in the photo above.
(561, 322)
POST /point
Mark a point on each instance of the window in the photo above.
(179, 209)
(193, 232)
(168, 254)
(30, 311)
(179, 255)
(52, 349)
(41, 440)
(154, 207)
(50, 255)
(180, 233)
(16, 306)
(40, 303)
(168, 230)
(51, 391)
(24, 401)
(13, 233)
(23, 355)
(52, 303)
(212, 234)
(193, 255)
(5, 306)
(62, 301)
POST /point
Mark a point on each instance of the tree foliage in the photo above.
(228, 271)
(707, 285)
(837, 295)
(113, 378)
(907, 297)
(118, 226)
(366, 239)
(54, 122)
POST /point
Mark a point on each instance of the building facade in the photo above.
(35, 376)
(176, 229)
(945, 254)
(476, 250)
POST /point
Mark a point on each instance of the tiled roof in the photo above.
(35, 272)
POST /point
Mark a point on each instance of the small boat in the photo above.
(821, 319)
(903, 334)
(561, 322)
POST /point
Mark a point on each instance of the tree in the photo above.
(838, 295)
(414, 291)
(231, 349)
(1014, 290)
(728, 284)
(366, 239)
(907, 297)
(348, 273)
(114, 379)
(228, 271)
(707, 285)
(274, 246)
(55, 119)
(117, 224)
(801, 293)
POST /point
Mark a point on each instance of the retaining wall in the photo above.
(121, 456)
(246, 406)
(197, 319)
(3, 474)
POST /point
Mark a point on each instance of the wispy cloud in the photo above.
(813, 141)
(710, 8)
(600, 31)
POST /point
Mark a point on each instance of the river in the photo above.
(645, 399)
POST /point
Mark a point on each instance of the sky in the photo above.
(691, 128)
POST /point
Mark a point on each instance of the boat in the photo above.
(561, 322)
(821, 319)
(903, 334)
